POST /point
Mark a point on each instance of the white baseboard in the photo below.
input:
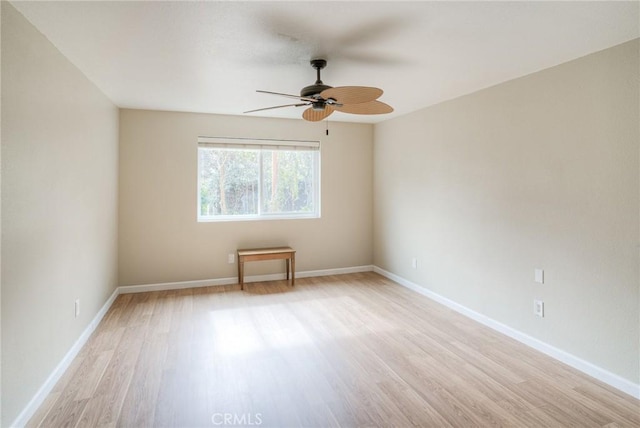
(586, 367)
(54, 377)
(179, 285)
(336, 271)
(125, 289)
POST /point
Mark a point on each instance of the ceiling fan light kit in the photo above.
(322, 100)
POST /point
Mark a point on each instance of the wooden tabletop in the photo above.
(274, 250)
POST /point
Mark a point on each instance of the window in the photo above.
(247, 179)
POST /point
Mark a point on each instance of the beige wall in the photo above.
(539, 172)
(59, 207)
(160, 238)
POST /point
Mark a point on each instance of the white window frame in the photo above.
(261, 144)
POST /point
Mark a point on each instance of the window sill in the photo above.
(218, 219)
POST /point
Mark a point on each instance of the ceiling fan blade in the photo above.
(352, 94)
(298, 97)
(316, 115)
(270, 108)
(372, 107)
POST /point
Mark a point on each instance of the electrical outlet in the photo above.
(231, 258)
(538, 308)
(414, 263)
(77, 308)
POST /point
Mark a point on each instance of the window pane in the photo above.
(250, 181)
(288, 178)
(228, 181)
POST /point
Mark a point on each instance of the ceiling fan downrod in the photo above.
(318, 64)
(313, 91)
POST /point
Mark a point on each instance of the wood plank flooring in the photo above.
(349, 350)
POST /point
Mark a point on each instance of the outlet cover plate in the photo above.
(538, 308)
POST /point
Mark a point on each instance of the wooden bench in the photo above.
(258, 254)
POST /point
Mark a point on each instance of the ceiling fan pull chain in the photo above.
(327, 130)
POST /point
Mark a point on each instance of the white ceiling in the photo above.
(210, 56)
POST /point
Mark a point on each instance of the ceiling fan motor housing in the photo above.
(313, 91)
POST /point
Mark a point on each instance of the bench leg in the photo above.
(241, 274)
(293, 269)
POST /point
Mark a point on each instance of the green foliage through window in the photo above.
(257, 182)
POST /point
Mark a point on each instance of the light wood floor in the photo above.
(349, 350)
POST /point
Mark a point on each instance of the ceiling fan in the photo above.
(324, 100)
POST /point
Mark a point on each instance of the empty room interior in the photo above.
(318, 214)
